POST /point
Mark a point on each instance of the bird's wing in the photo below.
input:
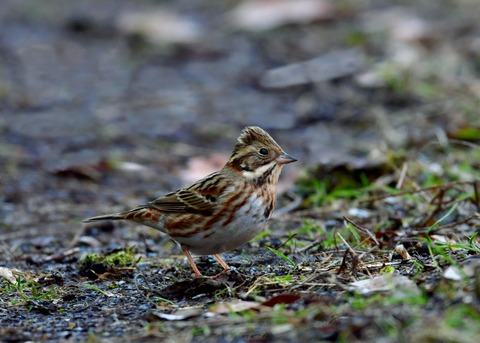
(184, 200)
(201, 197)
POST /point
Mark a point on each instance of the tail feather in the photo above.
(139, 214)
(115, 216)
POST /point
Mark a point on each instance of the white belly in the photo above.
(246, 224)
(223, 239)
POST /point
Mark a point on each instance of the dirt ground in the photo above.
(108, 104)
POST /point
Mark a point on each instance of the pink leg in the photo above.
(186, 252)
(222, 262)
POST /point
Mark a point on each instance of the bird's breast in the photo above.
(239, 218)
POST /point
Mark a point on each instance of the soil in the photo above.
(97, 117)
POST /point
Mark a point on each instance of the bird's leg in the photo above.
(224, 265)
(186, 252)
(221, 261)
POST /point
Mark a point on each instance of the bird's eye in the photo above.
(263, 151)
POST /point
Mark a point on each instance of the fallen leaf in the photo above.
(454, 273)
(384, 283)
(9, 274)
(400, 250)
(281, 299)
(402, 24)
(444, 239)
(231, 307)
(469, 268)
(468, 133)
(330, 66)
(131, 167)
(180, 314)
(85, 172)
(160, 26)
(88, 240)
(359, 213)
(198, 167)
(260, 15)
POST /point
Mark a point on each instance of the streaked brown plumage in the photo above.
(224, 209)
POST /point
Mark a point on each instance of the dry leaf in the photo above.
(159, 26)
(444, 239)
(469, 269)
(9, 274)
(400, 250)
(384, 283)
(359, 213)
(323, 68)
(180, 314)
(401, 23)
(454, 273)
(199, 167)
(231, 307)
(132, 167)
(281, 299)
(260, 15)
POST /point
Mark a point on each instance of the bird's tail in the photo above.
(115, 216)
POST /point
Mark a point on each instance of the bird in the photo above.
(223, 210)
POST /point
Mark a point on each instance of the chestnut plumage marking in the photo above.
(221, 213)
(208, 234)
(268, 211)
(186, 225)
(224, 209)
(234, 210)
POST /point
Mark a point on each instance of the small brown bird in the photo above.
(224, 209)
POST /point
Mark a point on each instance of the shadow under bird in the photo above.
(224, 209)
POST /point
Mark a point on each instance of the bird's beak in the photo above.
(286, 158)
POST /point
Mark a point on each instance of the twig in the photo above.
(61, 256)
(447, 185)
(403, 174)
(358, 227)
(316, 242)
(463, 221)
(355, 259)
(437, 209)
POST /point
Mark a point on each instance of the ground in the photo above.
(108, 104)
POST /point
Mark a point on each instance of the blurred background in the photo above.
(108, 104)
